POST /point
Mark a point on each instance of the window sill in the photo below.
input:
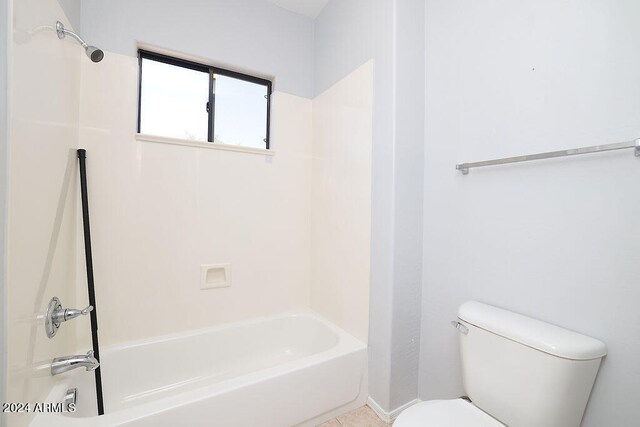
(198, 144)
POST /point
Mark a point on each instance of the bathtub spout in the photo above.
(67, 363)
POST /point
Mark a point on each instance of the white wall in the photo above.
(347, 34)
(160, 211)
(556, 239)
(45, 89)
(341, 202)
(251, 35)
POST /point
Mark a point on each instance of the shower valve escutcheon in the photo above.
(56, 315)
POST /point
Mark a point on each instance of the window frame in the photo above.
(211, 70)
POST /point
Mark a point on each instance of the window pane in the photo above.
(240, 112)
(174, 101)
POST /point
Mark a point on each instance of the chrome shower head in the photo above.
(92, 52)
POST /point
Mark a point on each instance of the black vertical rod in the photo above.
(211, 106)
(267, 140)
(82, 155)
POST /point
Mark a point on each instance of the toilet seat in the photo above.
(445, 413)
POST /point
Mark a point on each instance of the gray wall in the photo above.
(72, 9)
(4, 29)
(409, 102)
(557, 239)
(251, 35)
(347, 34)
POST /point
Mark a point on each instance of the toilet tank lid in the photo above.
(533, 333)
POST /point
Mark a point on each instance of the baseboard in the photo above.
(385, 416)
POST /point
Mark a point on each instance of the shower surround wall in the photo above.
(252, 211)
(554, 239)
(159, 211)
(42, 219)
(341, 202)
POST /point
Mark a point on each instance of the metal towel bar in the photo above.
(464, 167)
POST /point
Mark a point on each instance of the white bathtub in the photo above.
(287, 370)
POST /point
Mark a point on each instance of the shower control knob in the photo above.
(56, 315)
(61, 315)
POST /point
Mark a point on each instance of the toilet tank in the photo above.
(524, 372)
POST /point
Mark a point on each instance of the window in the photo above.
(186, 100)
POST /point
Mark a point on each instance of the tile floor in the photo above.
(361, 417)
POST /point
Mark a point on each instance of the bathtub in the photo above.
(285, 370)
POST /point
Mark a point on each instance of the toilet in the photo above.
(517, 372)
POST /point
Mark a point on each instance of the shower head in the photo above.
(92, 52)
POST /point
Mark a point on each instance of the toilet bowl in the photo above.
(445, 413)
(516, 371)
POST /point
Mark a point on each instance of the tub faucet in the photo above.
(67, 363)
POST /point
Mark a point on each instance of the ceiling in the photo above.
(310, 8)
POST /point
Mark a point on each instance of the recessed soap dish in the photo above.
(214, 276)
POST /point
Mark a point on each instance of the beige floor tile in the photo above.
(361, 417)
(331, 423)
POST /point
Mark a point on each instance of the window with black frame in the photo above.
(187, 100)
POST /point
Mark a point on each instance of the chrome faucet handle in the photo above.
(62, 315)
(72, 313)
(56, 315)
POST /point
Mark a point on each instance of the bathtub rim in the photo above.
(347, 344)
(341, 333)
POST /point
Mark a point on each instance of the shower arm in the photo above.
(92, 52)
(63, 32)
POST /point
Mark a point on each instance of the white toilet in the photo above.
(517, 372)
